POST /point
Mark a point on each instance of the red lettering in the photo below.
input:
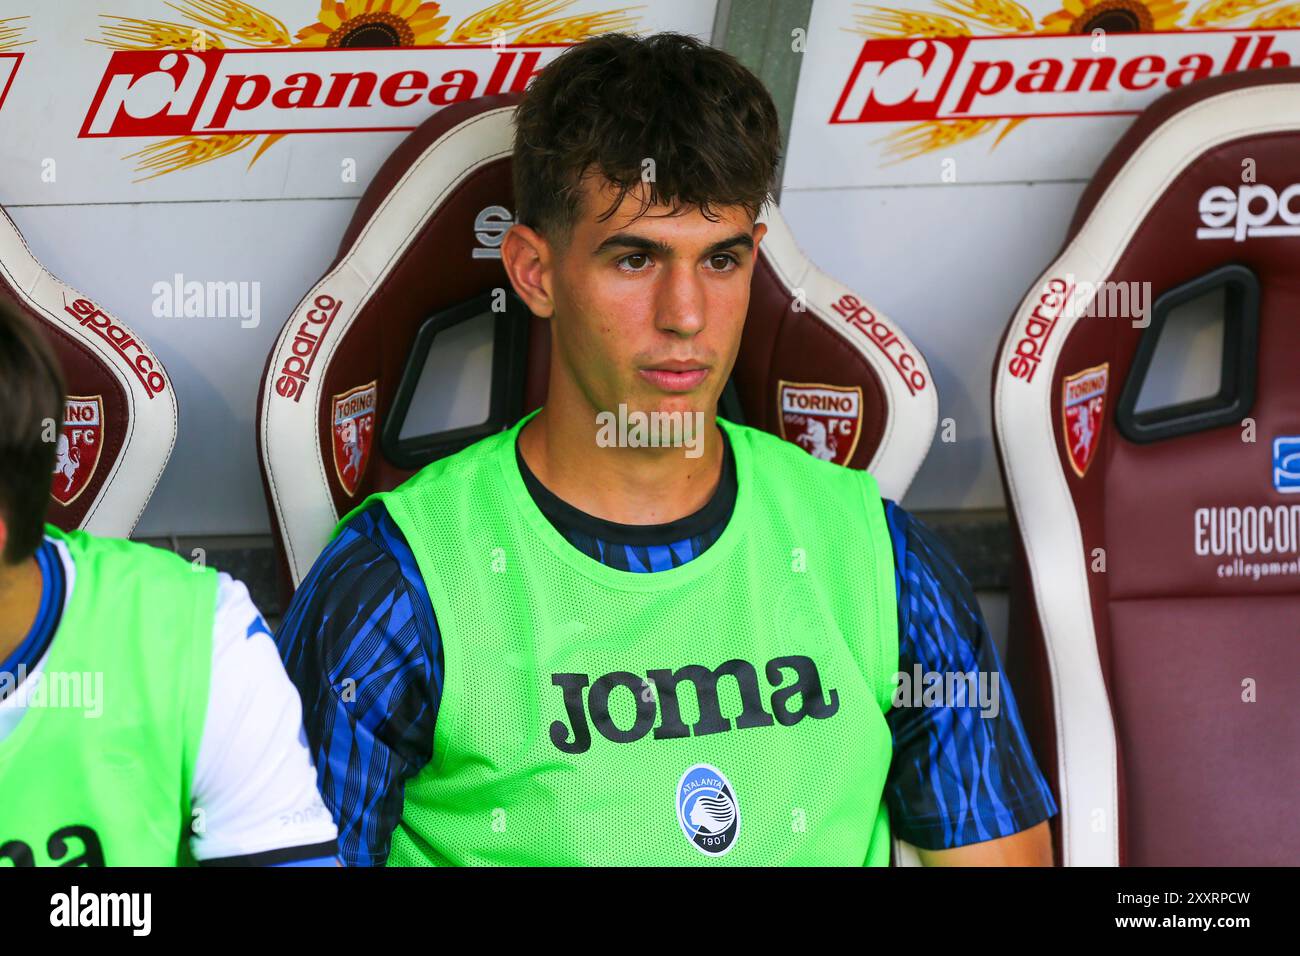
(527, 70)
(231, 99)
(1239, 46)
(1260, 57)
(449, 92)
(339, 83)
(1101, 79)
(400, 83)
(975, 85)
(294, 96)
(1050, 77)
(1198, 65)
(1128, 77)
(499, 73)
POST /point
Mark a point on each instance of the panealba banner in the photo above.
(148, 100)
(929, 91)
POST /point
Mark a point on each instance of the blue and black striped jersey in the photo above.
(360, 640)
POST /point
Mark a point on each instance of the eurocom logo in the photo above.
(1286, 464)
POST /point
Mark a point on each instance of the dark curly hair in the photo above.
(31, 394)
(609, 103)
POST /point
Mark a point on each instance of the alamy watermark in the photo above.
(76, 690)
(130, 910)
(639, 429)
(921, 688)
(1114, 300)
(181, 299)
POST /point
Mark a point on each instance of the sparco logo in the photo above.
(295, 371)
(655, 695)
(176, 93)
(911, 79)
(1038, 329)
(139, 361)
(859, 317)
(490, 228)
(1253, 210)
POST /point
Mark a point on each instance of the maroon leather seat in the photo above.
(421, 256)
(120, 416)
(1154, 645)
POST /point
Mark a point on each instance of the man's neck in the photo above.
(626, 485)
(20, 600)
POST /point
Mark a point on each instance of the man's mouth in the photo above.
(675, 376)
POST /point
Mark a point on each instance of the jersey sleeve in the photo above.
(360, 642)
(253, 797)
(963, 771)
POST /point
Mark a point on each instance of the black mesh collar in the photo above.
(567, 518)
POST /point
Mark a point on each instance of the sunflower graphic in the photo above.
(956, 18)
(1114, 16)
(340, 24)
(375, 23)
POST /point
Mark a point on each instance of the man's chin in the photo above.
(685, 403)
(673, 424)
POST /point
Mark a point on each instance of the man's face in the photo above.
(648, 310)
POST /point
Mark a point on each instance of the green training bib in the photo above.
(727, 710)
(98, 770)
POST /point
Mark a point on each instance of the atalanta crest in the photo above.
(707, 810)
(1083, 398)
(353, 428)
(823, 420)
(78, 449)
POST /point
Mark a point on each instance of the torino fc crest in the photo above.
(353, 427)
(78, 448)
(1083, 397)
(823, 420)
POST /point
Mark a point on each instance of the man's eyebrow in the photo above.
(742, 239)
(630, 240)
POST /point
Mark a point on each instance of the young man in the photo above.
(550, 650)
(145, 719)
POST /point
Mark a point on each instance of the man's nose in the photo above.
(680, 308)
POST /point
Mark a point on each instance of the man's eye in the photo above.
(628, 265)
(723, 262)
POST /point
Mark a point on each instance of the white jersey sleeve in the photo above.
(254, 795)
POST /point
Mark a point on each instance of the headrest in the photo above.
(817, 362)
(1118, 478)
(119, 422)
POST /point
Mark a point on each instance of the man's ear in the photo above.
(528, 259)
(760, 230)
